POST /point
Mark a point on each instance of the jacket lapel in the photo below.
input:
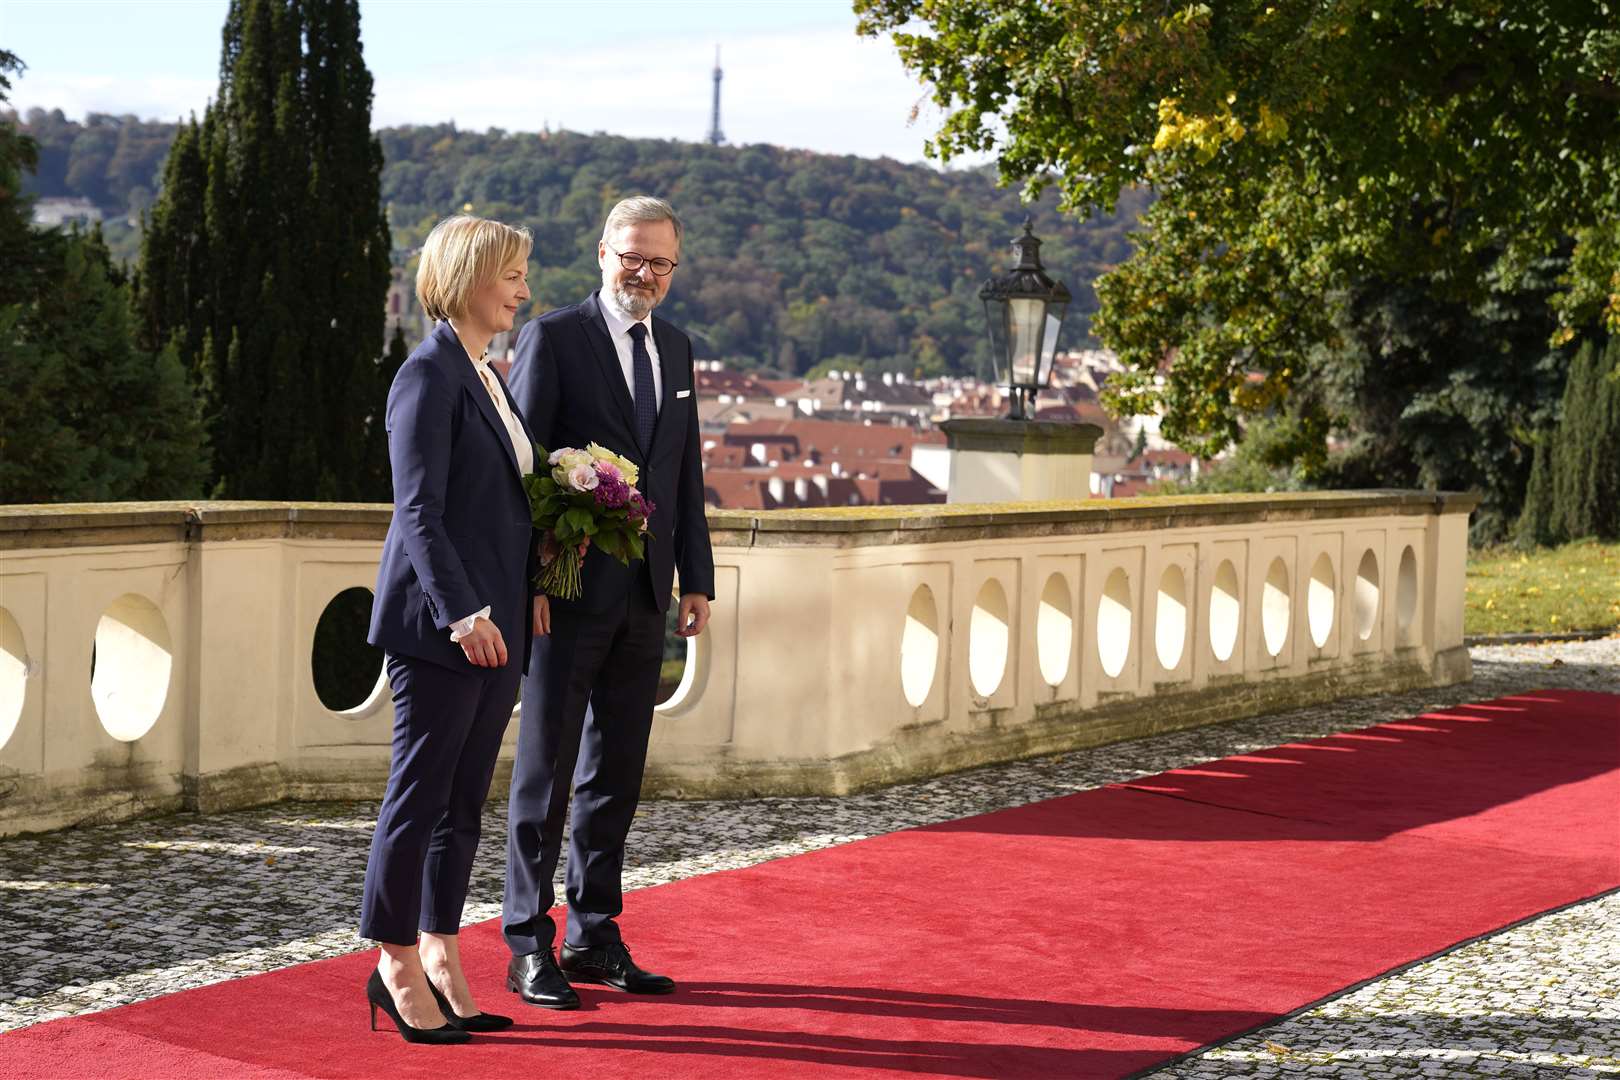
(607, 359)
(462, 366)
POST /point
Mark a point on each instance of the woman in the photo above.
(452, 586)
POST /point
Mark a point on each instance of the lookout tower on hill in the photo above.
(716, 136)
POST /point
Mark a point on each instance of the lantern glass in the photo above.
(1027, 326)
(995, 316)
(1054, 323)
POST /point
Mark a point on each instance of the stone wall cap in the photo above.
(1000, 435)
(958, 515)
(200, 518)
(990, 425)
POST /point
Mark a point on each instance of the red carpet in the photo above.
(1093, 935)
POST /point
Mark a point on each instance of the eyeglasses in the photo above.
(633, 261)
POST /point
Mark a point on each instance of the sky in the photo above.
(796, 73)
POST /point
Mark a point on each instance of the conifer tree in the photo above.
(266, 258)
(1574, 487)
(85, 415)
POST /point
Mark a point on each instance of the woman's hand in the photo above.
(484, 647)
(542, 614)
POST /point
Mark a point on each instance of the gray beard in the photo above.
(637, 305)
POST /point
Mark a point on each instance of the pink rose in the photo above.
(608, 471)
(582, 478)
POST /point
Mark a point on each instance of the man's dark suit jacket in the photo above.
(568, 383)
(461, 536)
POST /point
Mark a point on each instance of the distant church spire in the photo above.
(716, 137)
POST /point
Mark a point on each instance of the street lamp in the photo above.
(1025, 309)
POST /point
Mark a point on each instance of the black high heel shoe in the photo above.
(377, 993)
(481, 1023)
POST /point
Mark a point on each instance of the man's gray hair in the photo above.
(637, 209)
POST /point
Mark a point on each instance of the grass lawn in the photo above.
(1549, 590)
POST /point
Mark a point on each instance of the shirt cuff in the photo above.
(462, 627)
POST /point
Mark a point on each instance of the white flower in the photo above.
(582, 478)
(557, 455)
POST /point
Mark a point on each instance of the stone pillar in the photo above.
(995, 461)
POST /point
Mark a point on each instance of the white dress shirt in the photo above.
(619, 323)
(525, 458)
(521, 447)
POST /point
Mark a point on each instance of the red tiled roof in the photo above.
(714, 383)
(750, 489)
(836, 440)
(1167, 457)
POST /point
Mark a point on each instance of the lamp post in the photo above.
(1025, 310)
(1016, 458)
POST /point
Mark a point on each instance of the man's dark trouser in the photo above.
(587, 714)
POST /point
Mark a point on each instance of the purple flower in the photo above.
(641, 508)
(611, 491)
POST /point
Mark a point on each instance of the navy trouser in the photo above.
(447, 735)
(587, 714)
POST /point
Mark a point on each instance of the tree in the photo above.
(84, 414)
(1430, 392)
(265, 259)
(770, 228)
(22, 268)
(1296, 149)
(1575, 483)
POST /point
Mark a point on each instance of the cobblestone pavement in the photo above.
(97, 917)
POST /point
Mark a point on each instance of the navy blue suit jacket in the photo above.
(568, 382)
(461, 536)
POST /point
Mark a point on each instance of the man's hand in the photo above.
(484, 646)
(694, 615)
(542, 614)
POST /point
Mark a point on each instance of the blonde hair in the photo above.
(639, 208)
(460, 254)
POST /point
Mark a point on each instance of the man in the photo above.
(603, 371)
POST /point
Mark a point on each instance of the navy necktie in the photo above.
(646, 395)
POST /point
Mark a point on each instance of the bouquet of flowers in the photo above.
(588, 497)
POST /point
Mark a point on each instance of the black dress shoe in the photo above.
(534, 978)
(611, 965)
(480, 1023)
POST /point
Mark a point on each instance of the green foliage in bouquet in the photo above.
(588, 497)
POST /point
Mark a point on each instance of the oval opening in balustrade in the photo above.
(346, 670)
(678, 672)
(1321, 600)
(1367, 595)
(1275, 607)
(988, 638)
(919, 647)
(1406, 591)
(130, 667)
(1054, 630)
(1170, 621)
(1114, 623)
(1225, 612)
(13, 675)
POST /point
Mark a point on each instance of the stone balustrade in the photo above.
(159, 656)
